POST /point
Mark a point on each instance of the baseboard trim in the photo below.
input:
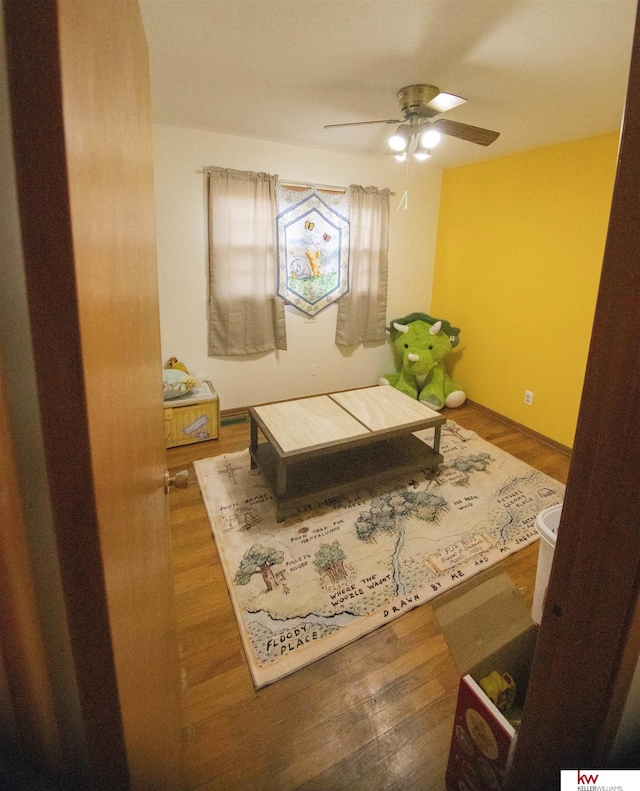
(229, 417)
(521, 427)
(240, 410)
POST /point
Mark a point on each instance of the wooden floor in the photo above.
(375, 715)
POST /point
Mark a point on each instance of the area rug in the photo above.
(330, 574)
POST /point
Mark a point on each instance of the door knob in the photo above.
(180, 480)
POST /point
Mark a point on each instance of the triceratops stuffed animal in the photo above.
(420, 343)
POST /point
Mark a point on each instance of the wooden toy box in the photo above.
(192, 418)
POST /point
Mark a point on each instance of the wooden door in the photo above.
(80, 107)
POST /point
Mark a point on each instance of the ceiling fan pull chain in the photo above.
(404, 200)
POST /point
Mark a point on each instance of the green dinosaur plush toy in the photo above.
(420, 343)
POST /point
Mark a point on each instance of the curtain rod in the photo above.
(284, 183)
(292, 183)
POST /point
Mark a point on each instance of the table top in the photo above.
(306, 423)
(384, 407)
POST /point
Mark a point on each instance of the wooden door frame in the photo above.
(29, 721)
(589, 639)
(112, 567)
(37, 121)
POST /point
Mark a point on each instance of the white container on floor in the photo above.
(547, 523)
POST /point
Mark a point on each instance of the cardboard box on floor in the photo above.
(487, 627)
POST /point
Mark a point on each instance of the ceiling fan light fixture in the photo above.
(430, 138)
(400, 155)
(421, 153)
(399, 140)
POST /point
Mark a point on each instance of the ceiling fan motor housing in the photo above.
(414, 98)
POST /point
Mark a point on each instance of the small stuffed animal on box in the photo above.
(173, 362)
(176, 380)
(420, 343)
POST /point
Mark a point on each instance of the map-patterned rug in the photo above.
(327, 575)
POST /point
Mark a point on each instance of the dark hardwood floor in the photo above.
(375, 715)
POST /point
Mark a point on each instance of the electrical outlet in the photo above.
(314, 370)
(528, 397)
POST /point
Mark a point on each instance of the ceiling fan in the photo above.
(420, 105)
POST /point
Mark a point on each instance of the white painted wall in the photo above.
(182, 263)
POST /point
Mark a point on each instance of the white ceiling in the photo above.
(537, 71)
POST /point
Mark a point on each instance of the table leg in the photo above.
(281, 479)
(436, 439)
(254, 443)
(281, 489)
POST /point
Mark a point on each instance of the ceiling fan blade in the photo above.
(445, 101)
(362, 123)
(474, 134)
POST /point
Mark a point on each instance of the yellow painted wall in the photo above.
(518, 260)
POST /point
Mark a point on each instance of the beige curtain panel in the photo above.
(245, 315)
(362, 313)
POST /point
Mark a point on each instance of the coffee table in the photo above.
(324, 446)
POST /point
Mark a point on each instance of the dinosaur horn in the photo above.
(436, 328)
(401, 327)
